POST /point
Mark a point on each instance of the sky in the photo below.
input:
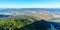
(29, 3)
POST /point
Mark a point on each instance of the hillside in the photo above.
(16, 22)
(25, 23)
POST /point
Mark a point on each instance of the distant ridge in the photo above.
(4, 16)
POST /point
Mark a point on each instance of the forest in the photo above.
(23, 23)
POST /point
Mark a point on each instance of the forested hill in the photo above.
(25, 23)
(19, 23)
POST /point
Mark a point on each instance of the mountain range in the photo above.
(49, 13)
(40, 13)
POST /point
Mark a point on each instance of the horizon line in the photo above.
(5, 8)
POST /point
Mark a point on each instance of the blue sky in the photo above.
(29, 3)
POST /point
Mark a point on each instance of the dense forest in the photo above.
(23, 23)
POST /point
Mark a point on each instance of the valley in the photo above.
(29, 19)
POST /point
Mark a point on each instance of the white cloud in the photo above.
(56, 16)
